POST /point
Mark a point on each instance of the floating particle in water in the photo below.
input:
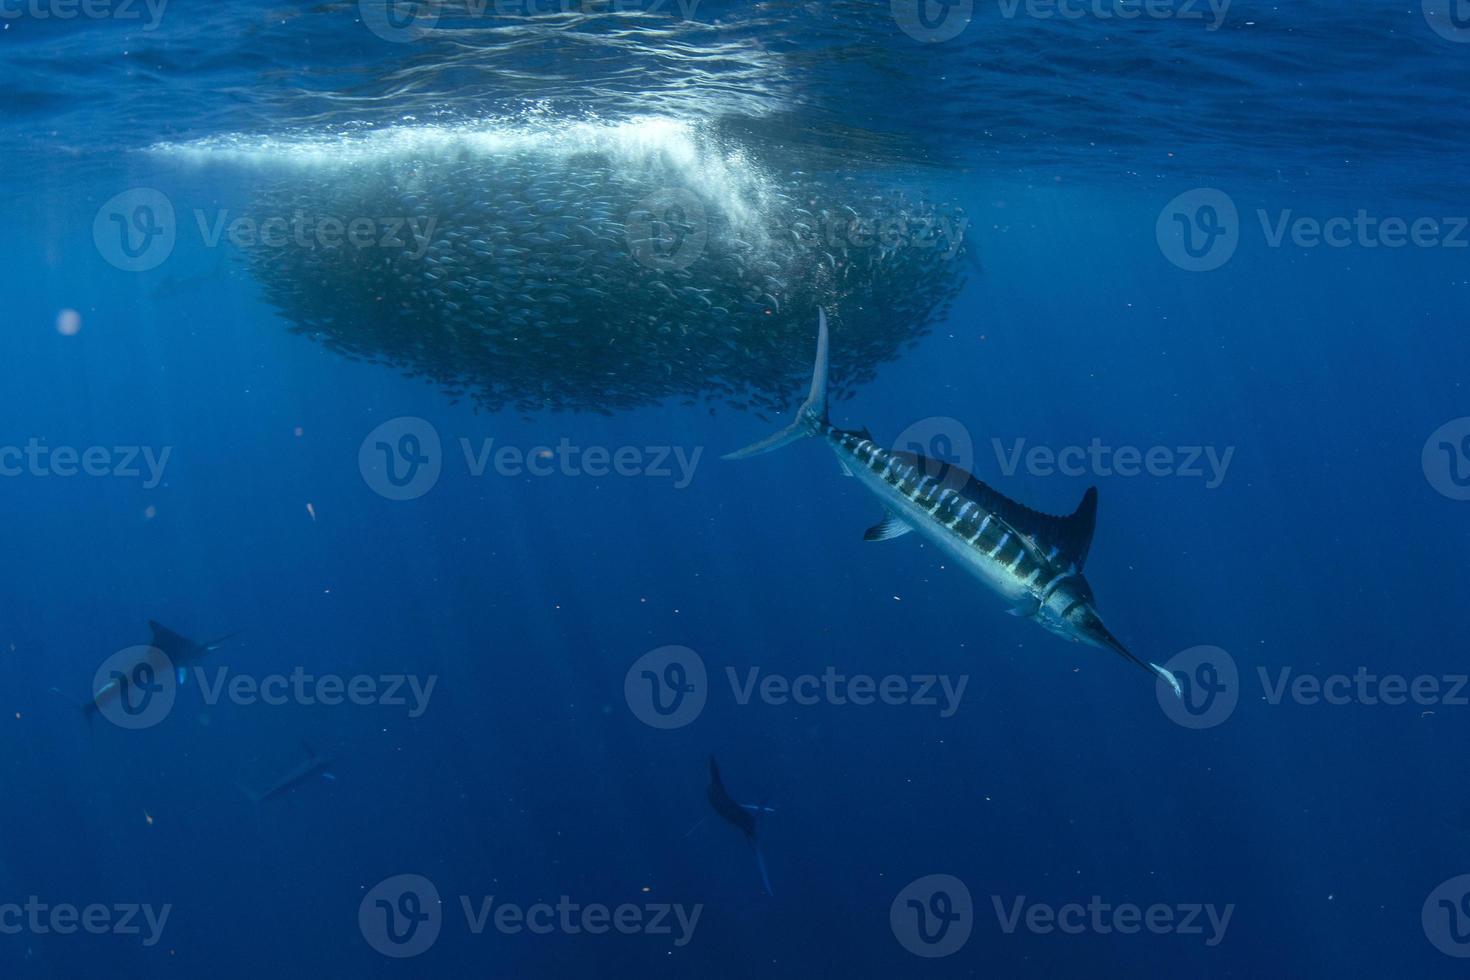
(311, 510)
(68, 323)
(150, 512)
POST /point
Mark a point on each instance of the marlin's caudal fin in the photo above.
(813, 411)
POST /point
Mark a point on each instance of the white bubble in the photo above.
(68, 323)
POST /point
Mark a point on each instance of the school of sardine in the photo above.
(588, 282)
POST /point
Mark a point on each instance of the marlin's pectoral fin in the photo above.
(1025, 607)
(890, 527)
(842, 464)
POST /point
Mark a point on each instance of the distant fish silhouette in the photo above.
(178, 652)
(741, 815)
(312, 765)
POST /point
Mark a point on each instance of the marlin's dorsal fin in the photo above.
(1074, 536)
(1071, 535)
(890, 527)
(167, 640)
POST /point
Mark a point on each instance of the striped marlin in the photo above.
(1033, 560)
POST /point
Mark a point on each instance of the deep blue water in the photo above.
(1332, 543)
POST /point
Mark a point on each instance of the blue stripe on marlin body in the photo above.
(1033, 560)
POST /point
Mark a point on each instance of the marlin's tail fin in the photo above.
(813, 411)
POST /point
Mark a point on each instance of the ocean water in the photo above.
(489, 600)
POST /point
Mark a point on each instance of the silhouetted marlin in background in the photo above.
(311, 766)
(1033, 560)
(742, 815)
(178, 653)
